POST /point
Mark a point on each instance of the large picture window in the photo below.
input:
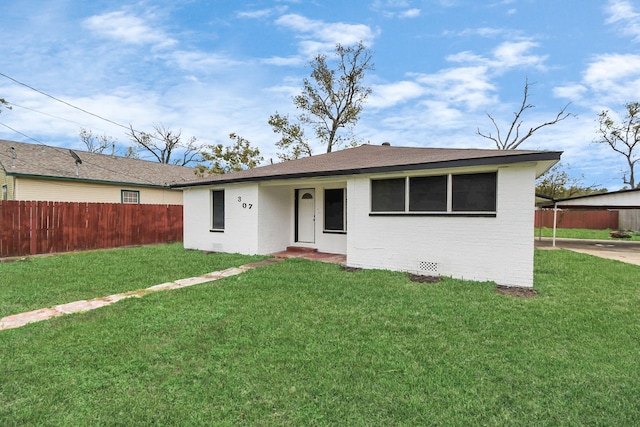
(217, 200)
(387, 195)
(334, 210)
(441, 194)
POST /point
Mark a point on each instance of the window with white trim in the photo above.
(130, 197)
(217, 210)
(334, 210)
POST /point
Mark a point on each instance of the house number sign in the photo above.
(245, 205)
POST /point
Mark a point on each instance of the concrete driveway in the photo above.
(619, 250)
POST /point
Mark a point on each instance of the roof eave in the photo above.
(480, 161)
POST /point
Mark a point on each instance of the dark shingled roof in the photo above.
(42, 161)
(375, 159)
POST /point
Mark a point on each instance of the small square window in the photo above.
(428, 194)
(474, 192)
(387, 195)
(130, 197)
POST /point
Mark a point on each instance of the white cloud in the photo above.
(384, 96)
(464, 86)
(516, 54)
(614, 77)
(410, 13)
(571, 91)
(127, 28)
(262, 13)
(319, 36)
(623, 13)
(210, 63)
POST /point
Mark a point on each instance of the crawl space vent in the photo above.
(428, 267)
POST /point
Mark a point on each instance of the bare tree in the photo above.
(164, 144)
(96, 143)
(331, 99)
(513, 139)
(623, 138)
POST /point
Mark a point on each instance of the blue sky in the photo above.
(215, 67)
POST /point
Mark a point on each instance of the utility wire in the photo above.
(63, 102)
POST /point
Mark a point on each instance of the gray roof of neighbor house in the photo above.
(42, 161)
(367, 159)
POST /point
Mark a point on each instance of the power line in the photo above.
(23, 134)
(63, 102)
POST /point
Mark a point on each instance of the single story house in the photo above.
(41, 172)
(463, 213)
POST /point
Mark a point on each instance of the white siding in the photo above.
(496, 249)
(268, 227)
(72, 191)
(241, 219)
(629, 198)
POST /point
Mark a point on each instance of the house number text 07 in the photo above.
(244, 204)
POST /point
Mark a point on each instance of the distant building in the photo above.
(41, 172)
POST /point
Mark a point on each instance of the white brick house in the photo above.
(463, 213)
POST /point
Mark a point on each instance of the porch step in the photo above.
(301, 249)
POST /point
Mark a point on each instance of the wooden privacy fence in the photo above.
(35, 227)
(591, 219)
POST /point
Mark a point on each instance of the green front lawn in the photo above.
(39, 282)
(305, 343)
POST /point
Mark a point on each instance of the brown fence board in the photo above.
(35, 227)
(590, 219)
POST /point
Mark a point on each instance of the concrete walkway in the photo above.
(17, 320)
(619, 250)
(21, 319)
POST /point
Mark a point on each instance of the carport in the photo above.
(625, 202)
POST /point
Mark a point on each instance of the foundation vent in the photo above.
(428, 267)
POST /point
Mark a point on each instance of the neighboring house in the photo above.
(615, 209)
(40, 172)
(462, 213)
(622, 199)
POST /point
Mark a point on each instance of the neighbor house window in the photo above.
(388, 195)
(130, 197)
(5, 192)
(334, 210)
(474, 192)
(441, 194)
(217, 209)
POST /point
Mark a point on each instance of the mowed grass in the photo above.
(582, 233)
(44, 281)
(305, 343)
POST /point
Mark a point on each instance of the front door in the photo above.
(306, 220)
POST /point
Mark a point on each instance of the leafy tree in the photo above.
(292, 144)
(96, 143)
(225, 159)
(559, 184)
(331, 99)
(623, 138)
(164, 144)
(513, 139)
(4, 104)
